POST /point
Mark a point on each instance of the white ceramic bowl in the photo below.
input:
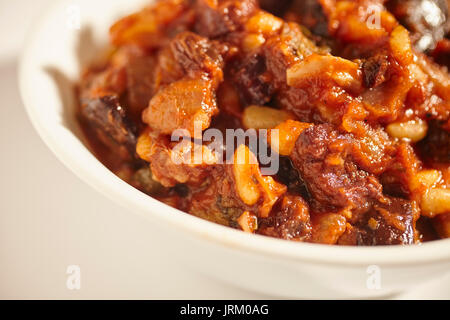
(51, 63)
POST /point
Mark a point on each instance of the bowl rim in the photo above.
(148, 207)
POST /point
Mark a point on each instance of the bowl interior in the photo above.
(57, 50)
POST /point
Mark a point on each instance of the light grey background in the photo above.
(50, 220)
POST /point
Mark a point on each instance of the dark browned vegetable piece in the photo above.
(441, 54)
(216, 18)
(140, 84)
(436, 145)
(109, 119)
(374, 70)
(290, 220)
(347, 181)
(386, 224)
(323, 159)
(196, 54)
(251, 78)
(276, 7)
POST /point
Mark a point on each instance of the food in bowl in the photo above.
(311, 121)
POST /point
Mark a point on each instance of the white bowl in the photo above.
(50, 65)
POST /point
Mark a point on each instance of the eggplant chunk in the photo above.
(387, 223)
(108, 118)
